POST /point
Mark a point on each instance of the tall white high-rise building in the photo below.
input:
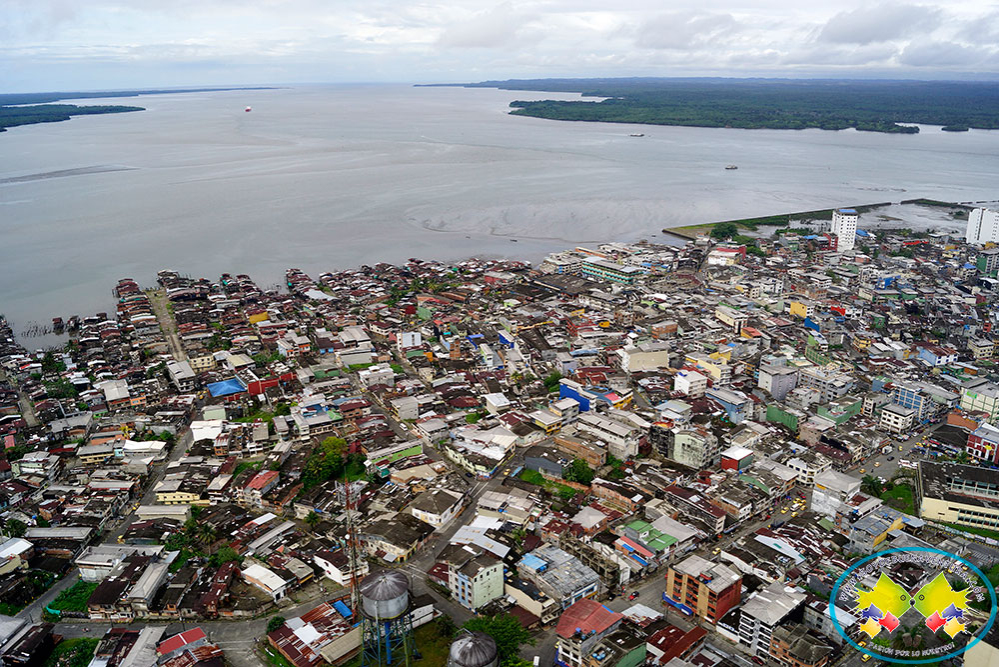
(844, 226)
(983, 226)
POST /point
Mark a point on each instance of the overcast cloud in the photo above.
(88, 44)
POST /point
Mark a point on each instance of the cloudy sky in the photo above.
(93, 44)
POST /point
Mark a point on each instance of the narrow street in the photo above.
(159, 303)
(27, 408)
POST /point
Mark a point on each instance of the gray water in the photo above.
(329, 177)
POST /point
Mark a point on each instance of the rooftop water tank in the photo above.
(473, 649)
(385, 594)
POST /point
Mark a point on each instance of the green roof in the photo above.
(662, 542)
(639, 526)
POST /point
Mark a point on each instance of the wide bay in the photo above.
(327, 177)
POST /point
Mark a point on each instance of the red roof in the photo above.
(262, 479)
(586, 615)
(184, 638)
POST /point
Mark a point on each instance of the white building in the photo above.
(644, 357)
(436, 506)
(831, 490)
(896, 419)
(765, 611)
(690, 383)
(844, 226)
(983, 226)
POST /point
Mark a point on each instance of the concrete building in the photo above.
(896, 419)
(830, 384)
(690, 383)
(831, 490)
(622, 439)
(982, 397)
(560, 575)
(580, 628)
(844, 226)
(983, 227)
(777, 378)
(475, 576)
(436, 506)
(698, 586)
(766, 610)
(182, 375)
(694, 448)
(954, 493)
(644, 357)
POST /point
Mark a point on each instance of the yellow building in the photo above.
(171, 492)
(201, 362)
(958, 494)
(801, 308)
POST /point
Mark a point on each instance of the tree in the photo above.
(224, 555)
(275, 623)
(508, 634)
(871, 485)
(325, 462)
(578, 471)
(333, 446)
(207, 532)
(552, 381)
(15, 528)
(445, 626)
(312, 520)
(724, 230)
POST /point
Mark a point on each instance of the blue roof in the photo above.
(342, 609)
(226, 388)
(852, 211)
(861, 232)
(533, 562)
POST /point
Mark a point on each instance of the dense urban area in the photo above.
(630, 454)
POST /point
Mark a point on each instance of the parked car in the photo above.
(633, 595)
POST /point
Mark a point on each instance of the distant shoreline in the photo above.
(19, 109)
(890, 107)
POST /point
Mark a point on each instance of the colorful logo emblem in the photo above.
(913, 606)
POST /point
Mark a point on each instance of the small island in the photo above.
(893, 107)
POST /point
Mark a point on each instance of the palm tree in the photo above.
(871, 485)
(208, 533)
(312, 520)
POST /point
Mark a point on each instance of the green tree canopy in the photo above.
(275, 623)
(15, 528)
(724, 230)
(508, 634)
(578, 471)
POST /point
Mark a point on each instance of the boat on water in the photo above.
(248, 109)
(731, 166)
(636, 134)
(57, 325)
